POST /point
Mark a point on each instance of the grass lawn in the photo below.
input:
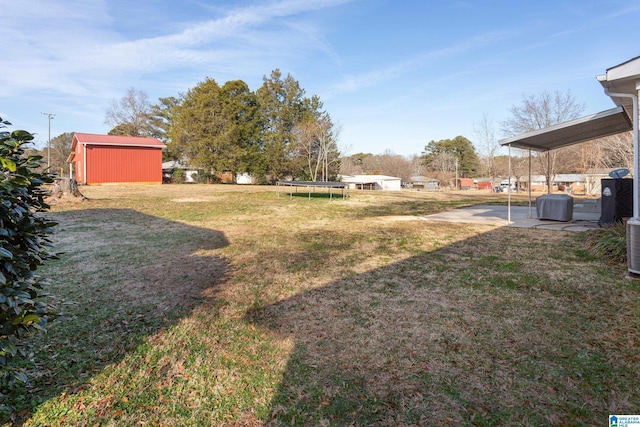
(225, 305)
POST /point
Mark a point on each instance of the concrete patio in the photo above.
(521, 216)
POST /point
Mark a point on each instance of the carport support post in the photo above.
(509, 190)
(548, 171)
(529, 186)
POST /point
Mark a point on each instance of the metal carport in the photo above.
(584, 129)
(622, 84)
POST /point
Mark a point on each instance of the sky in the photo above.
(393, 74)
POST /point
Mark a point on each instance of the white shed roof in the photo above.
(364, 179)
(175, 164)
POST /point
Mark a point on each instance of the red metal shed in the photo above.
(464, 183)
(106, 159)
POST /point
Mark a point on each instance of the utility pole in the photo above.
(456, 186)
(50, 116)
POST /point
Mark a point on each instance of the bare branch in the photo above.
(131, 115)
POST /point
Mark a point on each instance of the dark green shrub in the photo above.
(24, 246)
(178, 176)
(609, 243)
(208, 178)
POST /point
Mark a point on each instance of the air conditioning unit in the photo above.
(633, 245)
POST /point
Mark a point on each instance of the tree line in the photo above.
(277, 131)
(534, 112)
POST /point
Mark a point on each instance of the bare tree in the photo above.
(307, 147)
(315, 140)
(488, 145)
(519, 167)
(387, 163)
(541, 111)
(502, 165)
(354, 164)
(372, 165)
(349, 165)
(591, 156)
(395, 165)
(538, 112)
(617, 151)
(444, 162)
(328, 135)
(131, 115)
(60, 150)
(417, 166)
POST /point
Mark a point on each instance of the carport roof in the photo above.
(620, 79)
(583, 129)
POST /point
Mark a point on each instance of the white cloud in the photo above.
(397, 70)
(76, 48)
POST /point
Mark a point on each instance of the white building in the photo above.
(244, 178)
(190, 173)
(373, 182)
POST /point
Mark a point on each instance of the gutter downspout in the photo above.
(636, 170)
(633, 270)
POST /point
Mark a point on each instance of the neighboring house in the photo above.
(538, 182)
(373, 182)
(169, 168)
(192, 174)
(574, 182)
(424, 182)
(108, 159)
(570, 182)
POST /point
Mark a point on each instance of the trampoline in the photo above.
(311, 187)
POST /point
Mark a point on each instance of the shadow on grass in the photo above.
(458, 336)
(127, 276)
(509, 327)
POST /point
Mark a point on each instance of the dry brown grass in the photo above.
(259, 310)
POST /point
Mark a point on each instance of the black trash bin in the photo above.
(617, 200)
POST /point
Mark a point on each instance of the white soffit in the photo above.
(622, 79)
